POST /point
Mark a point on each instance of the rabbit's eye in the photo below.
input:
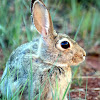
(65, 44)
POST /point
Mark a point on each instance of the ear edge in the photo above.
(33, 2)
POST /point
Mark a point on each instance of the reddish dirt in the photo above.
(92, 92)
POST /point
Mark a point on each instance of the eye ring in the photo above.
(63, 44)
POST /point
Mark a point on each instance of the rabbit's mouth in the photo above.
(83, 58)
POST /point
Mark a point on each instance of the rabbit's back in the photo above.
(17, 65)
(24, 49)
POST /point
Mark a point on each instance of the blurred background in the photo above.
(80, 19)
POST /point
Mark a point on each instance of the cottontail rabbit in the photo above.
(41, 69)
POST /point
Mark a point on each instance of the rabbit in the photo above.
(41, 69)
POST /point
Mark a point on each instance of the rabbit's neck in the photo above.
(55, 64)
(61, 65)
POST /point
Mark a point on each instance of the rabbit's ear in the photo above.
(41, 18)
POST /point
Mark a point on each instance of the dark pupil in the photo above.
(65, 44)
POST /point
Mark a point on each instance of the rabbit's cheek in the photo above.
(77, 59)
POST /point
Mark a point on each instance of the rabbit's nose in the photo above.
(84, 54)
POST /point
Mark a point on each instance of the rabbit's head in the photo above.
(57, 49)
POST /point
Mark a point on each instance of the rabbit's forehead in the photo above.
(64, 37)
(61, 36)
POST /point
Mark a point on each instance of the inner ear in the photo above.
(41, 18)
